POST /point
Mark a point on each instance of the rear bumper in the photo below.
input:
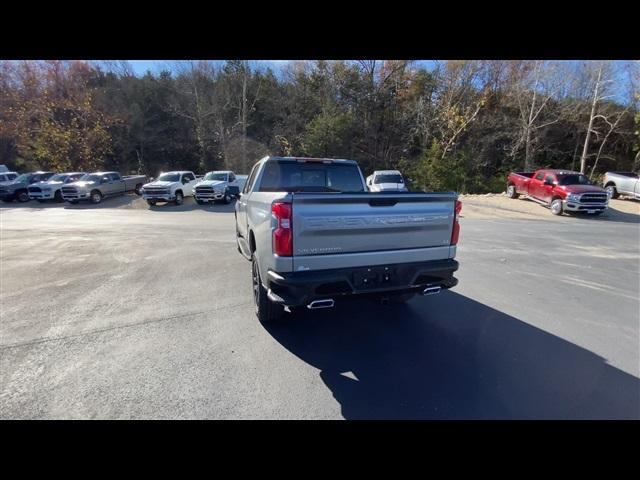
(301, 288)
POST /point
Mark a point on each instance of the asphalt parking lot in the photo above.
(124, 311)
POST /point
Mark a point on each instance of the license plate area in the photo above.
(372, 278)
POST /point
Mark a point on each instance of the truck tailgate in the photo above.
(335, 224)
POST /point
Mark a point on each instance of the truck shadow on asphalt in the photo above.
(189, 205)
(122, 201)
(450, 357)
(614, 215)
(125, 202)
(32, 204)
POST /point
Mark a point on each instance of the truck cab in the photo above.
(8, 176)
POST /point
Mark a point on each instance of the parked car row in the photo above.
(74, 187)
(216, 186)
(18, 188)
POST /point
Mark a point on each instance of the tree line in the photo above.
(459, 125)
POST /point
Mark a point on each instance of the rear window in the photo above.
(388, 178)
(311, 177)
(576, 179)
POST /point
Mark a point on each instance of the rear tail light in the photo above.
(455, 234)
(283, 233)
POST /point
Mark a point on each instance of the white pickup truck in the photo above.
(386, 181)
(217, 186)
(622, 183)
(170, 187)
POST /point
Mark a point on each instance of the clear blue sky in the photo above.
(140, 67)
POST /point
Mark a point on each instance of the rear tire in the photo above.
(266, 311)
(23, 196)
(58, 197)
(511, 191)
(556, 206)
(138, 189)
(612, 191)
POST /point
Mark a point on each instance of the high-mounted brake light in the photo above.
(282, 235)
(455, 234)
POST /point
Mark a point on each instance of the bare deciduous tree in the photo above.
(601, 77)
(532, 86)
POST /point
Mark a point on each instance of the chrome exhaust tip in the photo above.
(327, 303)
(431, 290)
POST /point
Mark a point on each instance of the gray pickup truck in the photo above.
(622, 183)
(98, 185)
(314, 234)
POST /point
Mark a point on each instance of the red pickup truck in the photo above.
(560, 190)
